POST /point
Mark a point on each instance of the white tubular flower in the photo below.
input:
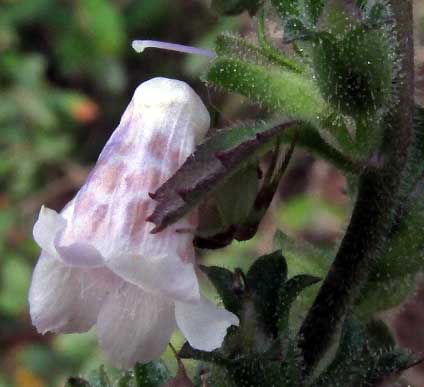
(101, 266)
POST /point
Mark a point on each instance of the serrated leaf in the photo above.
(228, 286)
(152, 374)
(210, 166)
(264, 279)
(289, 291)
(77, 382)
(287, 92)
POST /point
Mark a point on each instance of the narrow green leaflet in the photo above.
(212, 164)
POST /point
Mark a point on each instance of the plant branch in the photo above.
(311, 140)
(372, 217)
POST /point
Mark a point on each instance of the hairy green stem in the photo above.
(372, 217)
(311, 140)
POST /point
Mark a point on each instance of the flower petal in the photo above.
(134, 326)
(48, 224)
(204, 325)
(80, 254)
(67, 299)
(165, 276)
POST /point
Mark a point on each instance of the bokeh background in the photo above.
(67, 72)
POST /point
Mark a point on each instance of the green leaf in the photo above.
(228, 286)
(264, 279)
(77, 382)
(210, 166)
(289, 291)
(286, 92)
(152, 374)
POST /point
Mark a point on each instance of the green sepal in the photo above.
(286, 92)
(234, 7)
(288, 293)
(212, 164)
(236, 197)
(228, 45)
(354, 73)
(264, 280)
(77, 382)
(152, 374)
(228, 285)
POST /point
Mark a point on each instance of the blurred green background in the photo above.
(67, 73)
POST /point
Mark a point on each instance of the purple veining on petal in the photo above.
(140, 45)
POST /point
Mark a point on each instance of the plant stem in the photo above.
(372, 217)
